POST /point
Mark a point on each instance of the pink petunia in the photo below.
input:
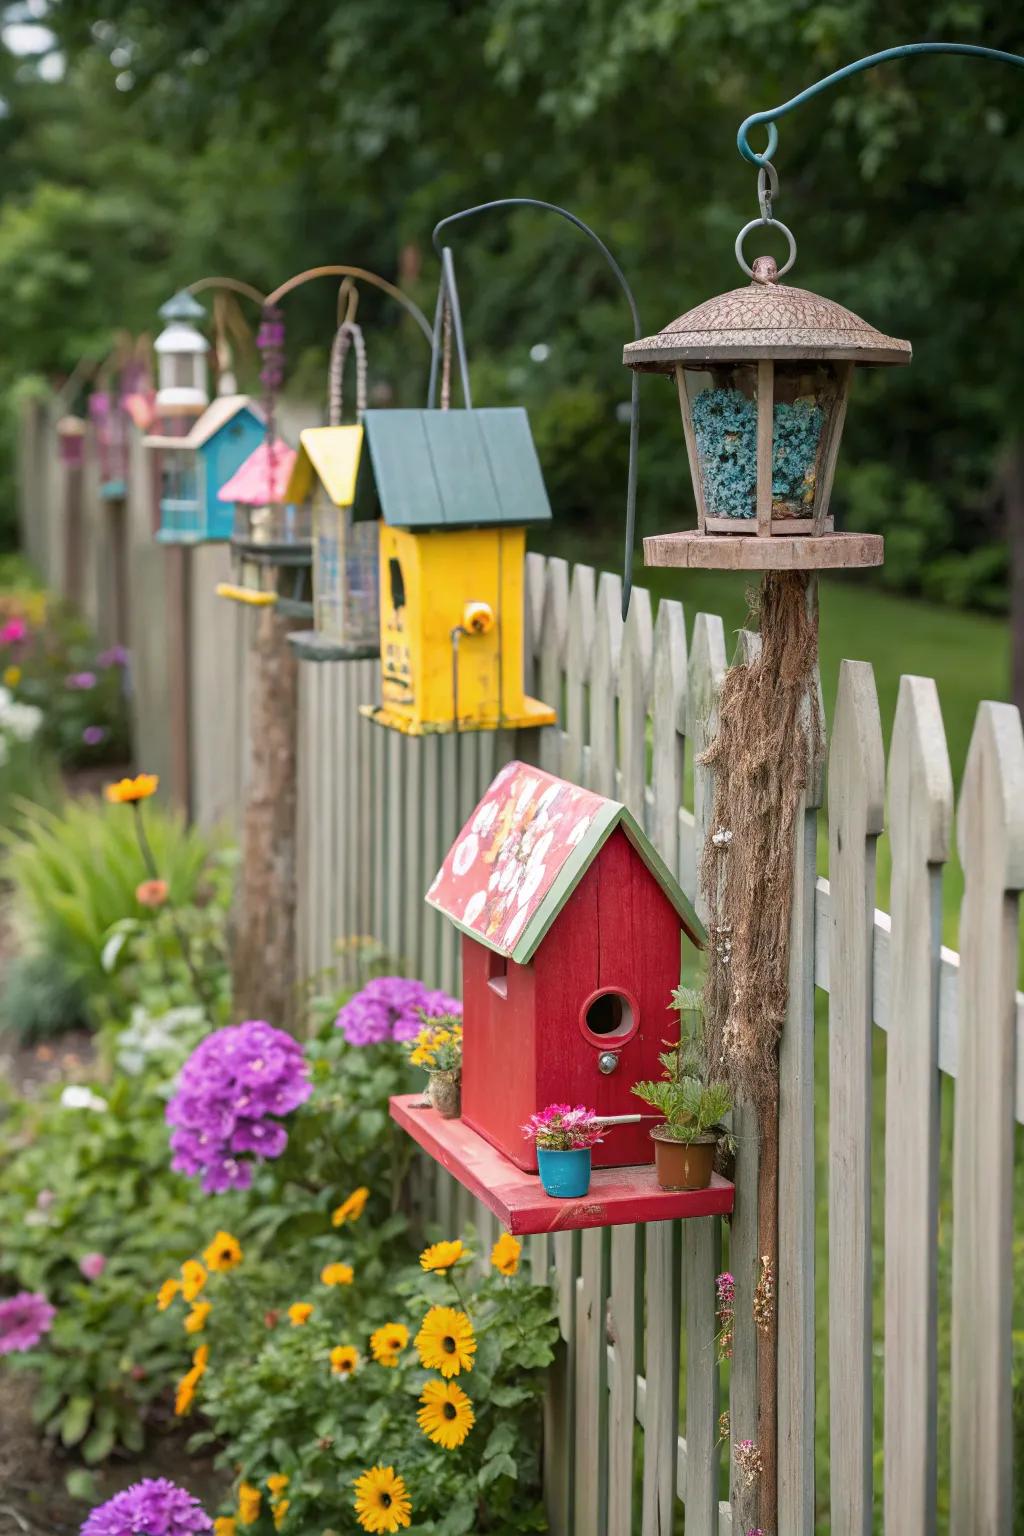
(23, 1321)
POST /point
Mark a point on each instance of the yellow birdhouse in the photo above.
(453, 492)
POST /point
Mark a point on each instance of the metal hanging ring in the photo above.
(771, 224)
(767, 188)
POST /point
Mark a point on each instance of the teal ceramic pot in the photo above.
(564, 1175)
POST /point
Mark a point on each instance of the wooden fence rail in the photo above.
(636, 1305)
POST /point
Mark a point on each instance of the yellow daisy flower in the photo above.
(277, 1482)
(185, 1394)
(382, 1503)
(12, 676)
(351, 1208)
(280, 1510)
(344, 1359)
(388, 1342)
(193, 1278)
(225, 1525)
(300, 1312)
(445, 1341)
(447, 1414)
(249, 1501)
(442, 1256)
(129, 791)
(505, 1254)
(166, 1294)
(337, 1274)
(201, 1358)
(224, 1253)
(195, 1322)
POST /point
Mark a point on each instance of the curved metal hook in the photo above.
(634, 400)
(904, 51)
(337, 270)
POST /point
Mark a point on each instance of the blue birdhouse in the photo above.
(193, 468)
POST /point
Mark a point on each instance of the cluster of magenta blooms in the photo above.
(231, 1095)
(155, 1506)
(392, 1008)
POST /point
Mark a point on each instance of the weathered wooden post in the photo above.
(763, 374)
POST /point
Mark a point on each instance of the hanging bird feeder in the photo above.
(763, 374)
(182, 379)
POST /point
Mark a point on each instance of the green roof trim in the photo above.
(430, 469)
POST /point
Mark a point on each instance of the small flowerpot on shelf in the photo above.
(444, 1090)
(438, 1048)
(683, 1164)
(564, 1137)
(564, 1175)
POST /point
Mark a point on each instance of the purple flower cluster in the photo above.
(392, 1008)
(81, 680)
(116, 656)
(23, 1321)
(156, 1506)
(230, 1088)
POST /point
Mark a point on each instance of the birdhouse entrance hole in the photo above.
(607, 1016)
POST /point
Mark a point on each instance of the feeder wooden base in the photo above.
(616, 1195)
(746, 552)
(533, 713)
(310, 646)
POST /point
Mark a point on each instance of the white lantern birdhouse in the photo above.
(182, 378)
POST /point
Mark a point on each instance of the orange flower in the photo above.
(130, 791)
(195, 1322)
(152, 893)
(300, 1312)
(337, 1274)
(351, 1208)
(505, 1254)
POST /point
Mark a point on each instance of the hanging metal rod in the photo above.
(365, 277)
(904, 51)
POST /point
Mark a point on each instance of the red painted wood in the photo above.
(521, 1052)
(617, 1196)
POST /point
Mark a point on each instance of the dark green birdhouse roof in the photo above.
(451, 469)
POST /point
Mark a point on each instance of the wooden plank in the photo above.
(661, 1403)
(559, 1460)
(533, 616)
(449, 824)
(303, 838)
(668, 730)
(702, 1260)
(635, 678)
(749, 552)
(433, 853)
(624, 1326)
(551, 658)
(518, 1200)
(591, 1417)
(414, 876)
(765, 438)
(990, 839)
(378, 761)
(579, 647)
(795, 1279)
(856, 801)
(325, 827)
(394, 774)
(920, 815)
(706, 670)
(604, 686)
(367, 688)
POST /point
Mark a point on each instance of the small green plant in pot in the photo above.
(693, 1109)
(438, 1048)
(564, 1137)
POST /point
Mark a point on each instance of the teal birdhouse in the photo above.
(193, 468)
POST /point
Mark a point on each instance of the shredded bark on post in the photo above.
(264, 965)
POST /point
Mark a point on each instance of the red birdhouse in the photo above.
(571, 949)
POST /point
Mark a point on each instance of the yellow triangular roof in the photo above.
(331, 455)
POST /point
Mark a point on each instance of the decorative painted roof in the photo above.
(524, 851)
(765, 319)
(452, 469)
(331, 455)
(263, 478)
(217, 415)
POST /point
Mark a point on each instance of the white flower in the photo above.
(75, 1096)
(526, 794)
(534, 880)
(474, 906)
(483, 821)
(465, 854)
(578, 832)
(21, 720)
(515, 926)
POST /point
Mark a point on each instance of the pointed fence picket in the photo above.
(376, 814)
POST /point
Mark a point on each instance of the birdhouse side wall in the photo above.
(499, 1072)
(221, 457)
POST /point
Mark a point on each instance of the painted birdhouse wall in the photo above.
(193, 469)
(572, 933)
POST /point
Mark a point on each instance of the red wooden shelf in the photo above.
(617, 1196)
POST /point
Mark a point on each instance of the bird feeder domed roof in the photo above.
(765, 319)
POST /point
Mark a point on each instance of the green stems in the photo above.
(154, 874)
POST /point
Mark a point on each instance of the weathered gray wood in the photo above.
(559, 1405)
(706, 670)
(920, 815)
(534, 578)
(604, 686)
(625, 1303)
(551, 659)
(668, 730)
(579, 648)
(990, 839)
(856, 801)
(702, 1253)
(591, 1419)
(635, 677)
(413, 873)
(661, 1409)
(449, 823)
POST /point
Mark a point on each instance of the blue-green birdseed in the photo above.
(725, 426)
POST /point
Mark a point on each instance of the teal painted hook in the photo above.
(904, 51)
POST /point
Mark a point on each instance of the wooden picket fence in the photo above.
(636, 1304)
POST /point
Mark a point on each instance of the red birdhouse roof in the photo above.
(523, 852)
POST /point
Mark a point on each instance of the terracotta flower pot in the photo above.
(683, 1164)
(444, 1090)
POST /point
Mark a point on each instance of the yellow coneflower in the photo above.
(447, 1414)
(224, 1253)
(445, 1341)
(442, 1256)
(277, 1482)
(352, 1207)
(225, 1525)
(249, 1501)
(337, 1274)
(166, 1294)
(193, 1278)
(382, 1504)
(186, 1392)
(344, 1360)
(388, 1342)
(199, 1311)
(300, 1312)
(280, 1509)
(505, 1254)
